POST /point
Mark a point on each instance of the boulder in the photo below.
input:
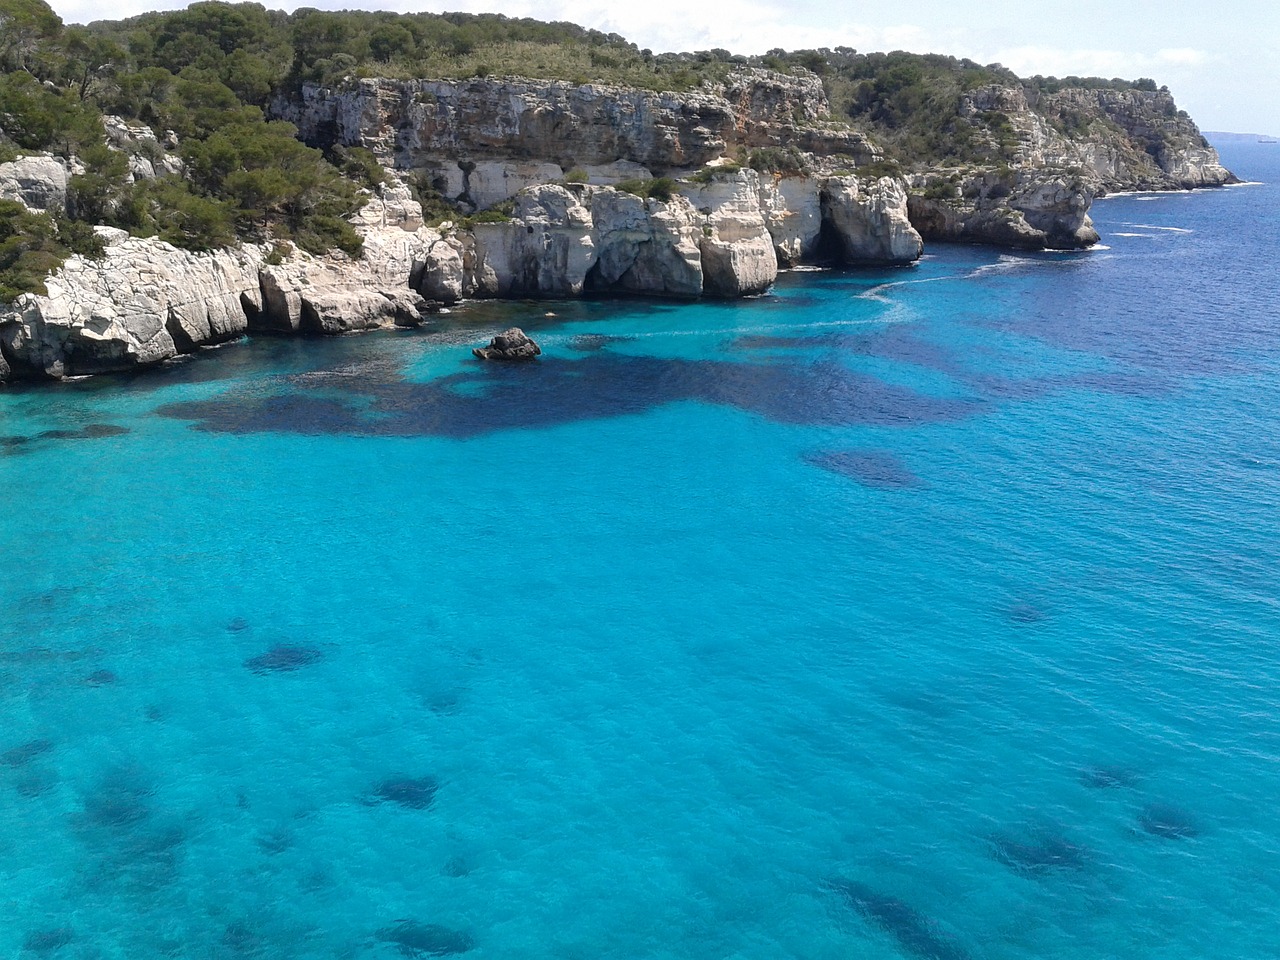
(391, 204)
(38, 182)
(306, 294)
(511, 345)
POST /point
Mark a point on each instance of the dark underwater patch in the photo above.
(1025, 613)
(455, 867)
(143, 860)
(100, 678)
(47, 941)
(242, 940)
(237, 625)
(275, 841)
(16, 443)
(122, 799)
(131, 847)
(915, 933)
(414, 939)
(559, 390)
(443, 701)
(892, 343)
(284, 659)
(1168, 821)
(36, 782)
(413, 793)
(1039, 853)
(23, 754)
(878, 469)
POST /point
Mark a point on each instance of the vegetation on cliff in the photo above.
(206, 80)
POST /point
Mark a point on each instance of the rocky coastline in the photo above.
(576, 190)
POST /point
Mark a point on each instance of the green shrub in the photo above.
(359, 165)
(484, 216)
(711, 174)
(577, 175)
(32, 246)
(785, 160)
(79, 237)
(659, 188)
(940, 190)
(278, 253)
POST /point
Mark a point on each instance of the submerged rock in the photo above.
(916, 934)
(48, 941)
(283, 658)
(1168, 821)
(415, 939)
(416, 793)
(1039, 853)
(512, 345)
(20, 756)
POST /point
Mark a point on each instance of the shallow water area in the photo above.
(909, 613)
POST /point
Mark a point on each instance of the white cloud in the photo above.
(1182, 56)
(1052, 61)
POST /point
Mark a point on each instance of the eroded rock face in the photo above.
(870, 220)
(143, 303)
(336, 294)
(511, 346)
(147, 155)
(1032, 210)
(38, 182)
(646, 246)
(552, 245)
(737, 251)
(792, 212)
(1115, 139)
(414, 123)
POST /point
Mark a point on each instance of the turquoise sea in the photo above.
(926, 613)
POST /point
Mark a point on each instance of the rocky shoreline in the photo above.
(584, 190)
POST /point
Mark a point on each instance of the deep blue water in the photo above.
(918, 613)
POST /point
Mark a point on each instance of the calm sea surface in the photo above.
(925, 613)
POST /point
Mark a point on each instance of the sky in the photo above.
(1221, 60)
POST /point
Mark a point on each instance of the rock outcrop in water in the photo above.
(510, 346)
